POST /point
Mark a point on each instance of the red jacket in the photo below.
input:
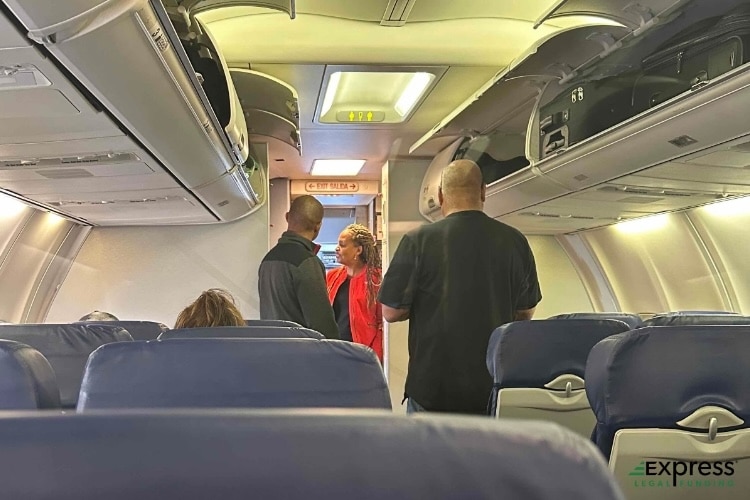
(366, 322)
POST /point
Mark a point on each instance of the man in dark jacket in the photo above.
(291, 279)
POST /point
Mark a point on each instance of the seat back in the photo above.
(295, 455)
(672, 406)
(27, 381)
(242, 332)
(538, 367)
(139, 330)
(630, 319)
(66, 347)
(272, 322)
(697, 318)
(245, 373)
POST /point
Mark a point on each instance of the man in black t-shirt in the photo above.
(456, 280)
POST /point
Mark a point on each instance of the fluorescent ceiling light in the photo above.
(333, 85)
(412, 93)
(644, 224)
(373, 97)
(728, 208)
(337, 167)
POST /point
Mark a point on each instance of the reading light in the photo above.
(333, 85)
(336, 167)
(412, 92)
(644, 224)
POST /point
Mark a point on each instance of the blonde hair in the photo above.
(214, 307)
(370, 256)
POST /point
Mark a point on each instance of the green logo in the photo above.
(638, 470)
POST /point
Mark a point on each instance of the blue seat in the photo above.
(272, 322)
(686, 318)
(631, 319)
(295, 455)
(538, 368)
(249, 373)
(27, 381)
(139, 330)
(66, 347)
(242, 332)
(655, 377)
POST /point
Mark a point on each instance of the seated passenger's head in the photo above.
(99, 316)
(214, 307)
(461, 187)
(305, 216)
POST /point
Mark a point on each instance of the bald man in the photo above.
(291, 279)
(456, 280)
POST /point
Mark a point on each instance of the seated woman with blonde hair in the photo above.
(353, 288)
(214, 307)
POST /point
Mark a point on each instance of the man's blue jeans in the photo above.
(413, 407)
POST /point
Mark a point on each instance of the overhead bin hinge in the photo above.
(607, 41)
(642, 14)
(397, 12)
(565, 72)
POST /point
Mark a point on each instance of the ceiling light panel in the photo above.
(373, 95)
(337, 167)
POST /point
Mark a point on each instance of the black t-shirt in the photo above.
(461, 278)
(341, 311)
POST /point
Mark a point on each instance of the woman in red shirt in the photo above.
(353, 288)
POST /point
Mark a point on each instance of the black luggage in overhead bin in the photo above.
(584, 110)
(689, 59)
(695, 57)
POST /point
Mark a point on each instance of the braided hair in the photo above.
(370, 256)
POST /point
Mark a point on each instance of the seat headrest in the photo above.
(139, 330)
(533, 353)
(296, 455)
(242, 332)
(630, 319)
(656, 376)
(272, 322)
(27, 381)
(687, 318)
(249, 373)
(66, 347)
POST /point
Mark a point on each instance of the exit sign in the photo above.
(331, 186)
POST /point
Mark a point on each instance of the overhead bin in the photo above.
(167, 84)
(198, 6)
(635, 15)
(429, 206)
(508, 100)
(271, 109)
(649, 163)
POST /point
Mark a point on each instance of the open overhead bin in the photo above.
(271, 110)
(639, 158)
(167, 85)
